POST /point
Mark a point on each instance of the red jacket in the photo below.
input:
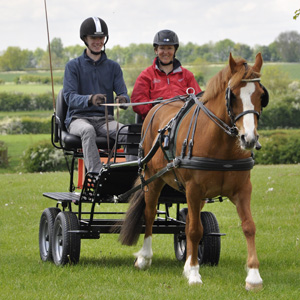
(153, 83)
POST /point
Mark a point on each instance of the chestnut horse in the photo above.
(235, 98)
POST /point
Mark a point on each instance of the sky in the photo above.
(255, 22)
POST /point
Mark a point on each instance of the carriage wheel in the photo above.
(65, 244)
(210, 246)
(46, 232)
(180, 239)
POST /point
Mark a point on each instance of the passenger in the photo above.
(166, 78)
(89, 81)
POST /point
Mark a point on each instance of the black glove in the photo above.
(121, 99)
(97, 99)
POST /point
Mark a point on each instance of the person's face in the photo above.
(165, 53)
(95, 43)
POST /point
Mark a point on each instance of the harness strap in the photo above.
(212, 164)
(173, 164)
(232, 131)
(184, 144)
(191, 143)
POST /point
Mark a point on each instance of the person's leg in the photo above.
(113, 128)
(87, 133)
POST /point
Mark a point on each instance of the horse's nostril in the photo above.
(243, 138)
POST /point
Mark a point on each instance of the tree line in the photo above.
(285, 48)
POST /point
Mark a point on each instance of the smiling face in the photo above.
(165, 53)
(95, 44)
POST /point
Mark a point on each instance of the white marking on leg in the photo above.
(144, 256)
(253, 279)
(192, 272)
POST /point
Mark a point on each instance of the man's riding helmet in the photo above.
(94, 27)
(166, 37)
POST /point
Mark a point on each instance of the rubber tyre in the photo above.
(46, 232)
(210, 246)
(66, 244)
(180, 239)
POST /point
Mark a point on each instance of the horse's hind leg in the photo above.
(144, 256)
(253, 280)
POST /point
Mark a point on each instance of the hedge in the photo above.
(24, 102)
(279, 147)
(25, 125)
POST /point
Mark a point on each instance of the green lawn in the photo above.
(29, 88)
(105, 269)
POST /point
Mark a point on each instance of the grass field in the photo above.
(106, 271)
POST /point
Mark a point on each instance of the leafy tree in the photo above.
(14, 59)
(288, 44)
(264, 50)
(243, 50)
(222, 49)
(71, 52)
(297, 13)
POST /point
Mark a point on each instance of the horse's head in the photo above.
(245, 98)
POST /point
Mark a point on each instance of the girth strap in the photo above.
(212, 164)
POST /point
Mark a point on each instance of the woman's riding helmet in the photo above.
(166, 37)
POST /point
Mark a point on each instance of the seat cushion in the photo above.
(72, 142)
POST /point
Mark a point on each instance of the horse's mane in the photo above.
(218, 83)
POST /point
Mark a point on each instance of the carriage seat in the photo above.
(66, 140)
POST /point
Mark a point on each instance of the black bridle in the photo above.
(229, 94)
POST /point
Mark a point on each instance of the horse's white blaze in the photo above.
(249, 125)
(253, 279)
(192, 272)
(144, 256)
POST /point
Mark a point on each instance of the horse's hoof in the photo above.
(253, 280)
(142, 263)
(195, 280)
(253, 287)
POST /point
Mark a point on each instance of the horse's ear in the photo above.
(258, 62)
(232, 63)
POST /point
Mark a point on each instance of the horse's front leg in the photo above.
(144, 256)
(253, 279)
(194, 233)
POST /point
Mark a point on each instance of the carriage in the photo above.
(191, 150)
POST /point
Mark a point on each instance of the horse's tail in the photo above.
(133, 222)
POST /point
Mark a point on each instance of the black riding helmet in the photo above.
(166, 37)
(94, 27)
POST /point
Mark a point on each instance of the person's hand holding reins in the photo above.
(97, 99)
(121, 99)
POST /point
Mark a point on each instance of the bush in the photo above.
(43, 157)
(279, 149)
(25, 125)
